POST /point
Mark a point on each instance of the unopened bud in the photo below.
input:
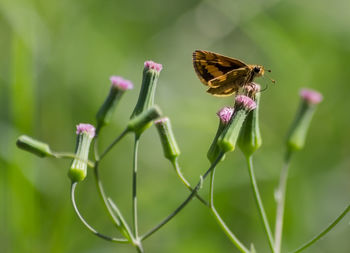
(34, 146)
(170, 148)
(141, 122)
(148, 88)
(297, 134)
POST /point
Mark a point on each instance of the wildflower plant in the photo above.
(238, 127)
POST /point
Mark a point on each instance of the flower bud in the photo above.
(78, 169)
(228, 138)
(149, 82)
(225, 115)
(170, 149)
(34, 146)
(250, 138)
(118, 87)
(297, 134)
(141, 122)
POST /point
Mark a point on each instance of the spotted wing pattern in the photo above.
(209, 66)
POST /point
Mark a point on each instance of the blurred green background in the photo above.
(56, 58)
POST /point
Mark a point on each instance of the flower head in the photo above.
(153, 65)
(86, 128)
(225, 114)
(245, 102)
(311, 96)
(251, 89)
(121, 83)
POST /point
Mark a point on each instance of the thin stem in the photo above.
(183, 204)
(108, 238)
(186, 183)
(114, 142)
(116, 220)
(211, 189)
(136, 242)
(72, 156)
(280, 199)
(259, 203)
(134, 187)
(228, 232)
(239, 245)
(324, 232)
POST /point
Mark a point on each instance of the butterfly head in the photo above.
(258, 70)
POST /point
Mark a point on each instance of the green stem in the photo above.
(280, 199)
(239, 245)
(108, 238)
(116, 140)
(185, 182)
(72, 156)
(183, 204)
(259, 203)
(116, 220)
(134, 187)
(324, 232)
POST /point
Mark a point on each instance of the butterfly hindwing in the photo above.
(236, 78)
(209, 65)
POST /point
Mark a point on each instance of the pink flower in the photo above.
(86, 128)
(225, 114)
(153, 65)
(311, 96)
(251, 89)
(245, 102)
(120, 83)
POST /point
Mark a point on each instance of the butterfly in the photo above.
(224, 75)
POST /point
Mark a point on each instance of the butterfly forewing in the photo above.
(210, 65)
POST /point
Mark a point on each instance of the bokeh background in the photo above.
(55, 61)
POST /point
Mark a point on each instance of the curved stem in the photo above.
(259, 203)
(108, 238)
(116, 220)
(324, 232)
(183, 204)
(114, 142)
(134, 186)
(239, 245)
(185, 182)
(280, 199)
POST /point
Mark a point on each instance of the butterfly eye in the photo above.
(256, 69)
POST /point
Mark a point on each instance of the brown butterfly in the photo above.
(223, 75)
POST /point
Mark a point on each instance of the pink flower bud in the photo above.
(86, 128)
(153, 65)
(311, 96)
(245, 102)
(120, 83)
(225, 114)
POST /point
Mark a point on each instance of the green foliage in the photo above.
(56, 58)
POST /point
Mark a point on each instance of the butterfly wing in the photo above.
(229, 83)
(210, 65)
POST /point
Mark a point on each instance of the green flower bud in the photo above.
(148, 88)
(225, 115)
(118, 87)
(228, 138)
(297, 134)
(78, 169)
(141, 122)
(250, 138)
(170, 149)
(34, 146)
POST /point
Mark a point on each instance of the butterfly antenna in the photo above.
(272, 80)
